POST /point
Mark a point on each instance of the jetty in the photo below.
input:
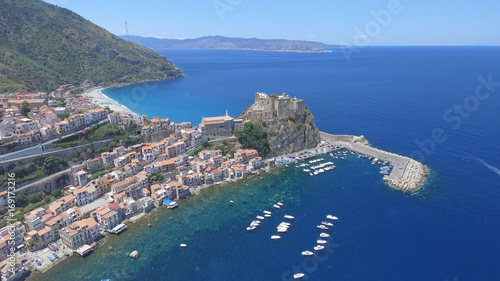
(406, 174)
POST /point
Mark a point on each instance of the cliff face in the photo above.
(293, 133)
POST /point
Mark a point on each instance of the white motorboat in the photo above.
(183, 245)
(279, 203)
(251, 228)
(275, 237)
(321, 241)
(267, 212)
(260, 217)
(298, 275)
(327, 223)
(330, 217)
(306, 170)
(319, 248)
(324, 235)
(267, 215)
(276, 206)
(307, 253)
(282, 229)
(322, 227)
(311, 174)
(289, 217)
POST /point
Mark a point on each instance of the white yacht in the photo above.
(267, 215)
(279, 203)
(330, 217)
(306, 170)
(289, 217)
(324, 235)
(322, 227)
(307, 253)
(183, 245)
(251, 228)
(319, 248)
(275, 237)
(267, 212)
(276, 206)
(321, 241)
(311, 174)
(298, 275)
(327, 223)
(260, 217)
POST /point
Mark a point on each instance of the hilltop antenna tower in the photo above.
(126, 31)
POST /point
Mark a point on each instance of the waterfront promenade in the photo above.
(407, 174)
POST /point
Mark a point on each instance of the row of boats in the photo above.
(266, 214)
(320, 242)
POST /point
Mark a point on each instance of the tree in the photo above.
(51, 164)
(56, 193)
(254, 136)
(22, 199)
(25, 108)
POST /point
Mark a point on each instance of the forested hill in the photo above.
(43, 46)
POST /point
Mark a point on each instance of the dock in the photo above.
(407, 174)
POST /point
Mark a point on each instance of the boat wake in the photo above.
(492, 168)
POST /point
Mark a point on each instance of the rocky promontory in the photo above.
(289, 124)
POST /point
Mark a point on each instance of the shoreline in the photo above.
(101, 100)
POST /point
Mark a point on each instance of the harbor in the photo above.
(406, 174)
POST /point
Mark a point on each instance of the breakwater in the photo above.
(406, 174)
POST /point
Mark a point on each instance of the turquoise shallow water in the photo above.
(394, 96)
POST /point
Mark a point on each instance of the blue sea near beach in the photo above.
(396, 97)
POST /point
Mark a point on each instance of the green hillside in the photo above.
(43, 46)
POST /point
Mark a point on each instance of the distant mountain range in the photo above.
(227, 43)
(43, 46)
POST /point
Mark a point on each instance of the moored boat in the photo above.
(321, 241)
(275, 237)
(319, 248)
(324, 235)
(289, 217)
(330, 217)
(298, 275)
(322, 227)
(276, 206)
(307, 253)
(327, 223)
(260, 217)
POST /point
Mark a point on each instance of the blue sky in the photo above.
(401, 22)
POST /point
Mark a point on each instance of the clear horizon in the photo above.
(365, 23)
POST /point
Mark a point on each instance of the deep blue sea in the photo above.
(400, 98)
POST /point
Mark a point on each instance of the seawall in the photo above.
(407, 174)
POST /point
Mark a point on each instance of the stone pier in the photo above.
(407, 174)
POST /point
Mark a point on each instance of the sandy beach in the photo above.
(101, 100)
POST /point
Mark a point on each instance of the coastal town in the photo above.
(129, 181)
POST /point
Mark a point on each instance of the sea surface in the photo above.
(400, 98)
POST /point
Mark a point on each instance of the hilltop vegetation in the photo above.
(43, 46)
